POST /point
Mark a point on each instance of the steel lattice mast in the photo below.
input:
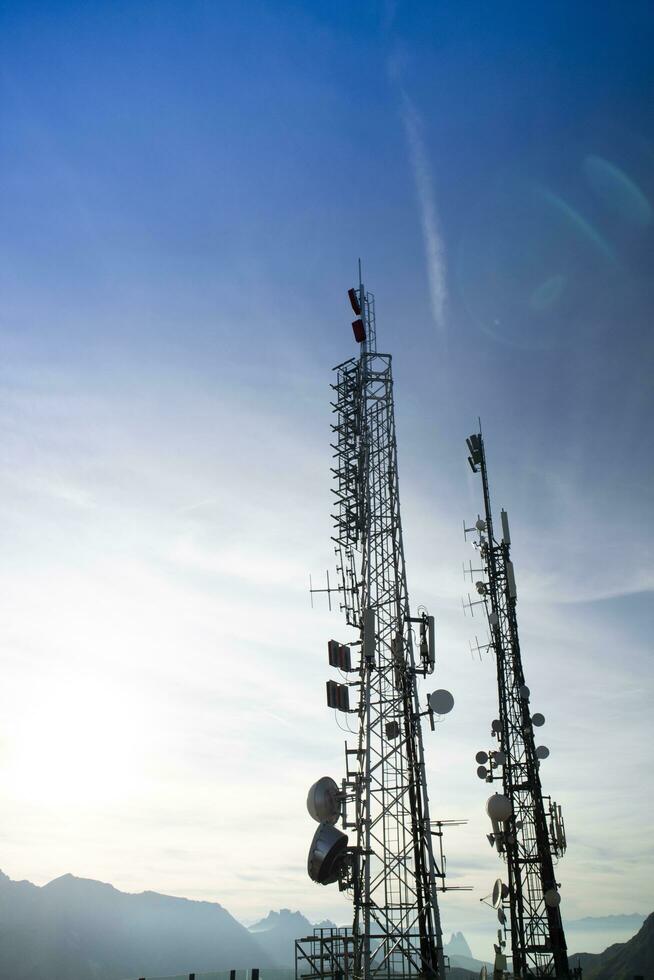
(527, 827)
(390, 870)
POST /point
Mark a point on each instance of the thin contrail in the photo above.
(422, 175)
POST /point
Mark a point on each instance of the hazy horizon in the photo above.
(588, 935)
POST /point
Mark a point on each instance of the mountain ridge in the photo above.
(82, 929)
(621, 961)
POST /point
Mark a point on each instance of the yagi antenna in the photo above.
(467, 531)
(469, 605)
(471, 571)
(479, 648)
(328, 590)
(347, 586)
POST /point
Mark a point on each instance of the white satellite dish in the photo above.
(501, 917)
(499, 808)
(542, 751)
(481, 758)
(552, 898)
(480, 525)
(441, 702)
(496, 726)
(524, 692)
(499, 757)
(537, 719)
(505, 891)
(482, 772)
(496, 897)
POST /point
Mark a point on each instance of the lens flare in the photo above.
(578, 223)
(618, 191)
(547, 293)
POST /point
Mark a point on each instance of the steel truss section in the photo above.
(347, 472)
(396, 926)
(396, 893)
(328, 953)
(533, 835)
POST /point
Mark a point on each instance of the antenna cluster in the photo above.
(375, 837)
(388, 863)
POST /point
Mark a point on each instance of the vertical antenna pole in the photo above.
(364, 311)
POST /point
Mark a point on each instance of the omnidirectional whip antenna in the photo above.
(527, 827)
(392, 865)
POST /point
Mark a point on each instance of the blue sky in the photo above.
(185, 190)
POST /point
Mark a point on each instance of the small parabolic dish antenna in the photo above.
(501, 917)
(552, 898)
(537, 719)
(480, 525)
(496, 725)
(326, 854)
(499, 808)
(323, 801)
(481, 758)
(482, 772)
(524, 692)
(499, 758)
(505, 891)
(441, 702)
(542, 751)
(496, 897)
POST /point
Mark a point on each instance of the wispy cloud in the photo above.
(424, 183)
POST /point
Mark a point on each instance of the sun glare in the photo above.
(74, 744)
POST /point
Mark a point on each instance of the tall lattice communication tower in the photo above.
(528, 829)
(390, 868)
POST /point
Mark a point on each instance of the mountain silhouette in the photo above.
(458, 946)
(276, 934)
(80, 929)
(622, 961)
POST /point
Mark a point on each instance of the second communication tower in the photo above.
(388, 866)
(528, 828)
